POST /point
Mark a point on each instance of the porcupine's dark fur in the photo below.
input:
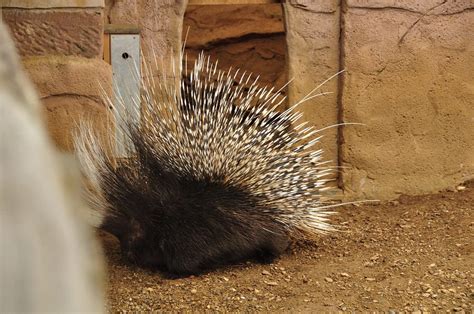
(216, 177)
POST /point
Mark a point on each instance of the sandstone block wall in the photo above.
(257, 45)
(60, 43)
(409, 80)
(71, 89)
(312, 34)
(252, 38)
(66, 32)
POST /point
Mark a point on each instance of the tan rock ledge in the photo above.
(50, 4)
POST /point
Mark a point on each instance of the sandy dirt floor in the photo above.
(412, 254)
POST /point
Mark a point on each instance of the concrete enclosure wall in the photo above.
(408, 78)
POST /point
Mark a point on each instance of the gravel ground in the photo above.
(414, 254)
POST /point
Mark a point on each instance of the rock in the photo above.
(72, 89)
(258, 45)
(407, 81)
(313, 29)
(69, 32)
(271, 283)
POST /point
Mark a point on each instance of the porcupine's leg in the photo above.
(186, 263)
(265, 248)
(178, 270)
(275, 245)
(207, 253)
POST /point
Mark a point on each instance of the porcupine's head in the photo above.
(206, 147)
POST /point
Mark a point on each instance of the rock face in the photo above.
(61, 49)
(408, 74)
(49, 261)
(407, 80)
(56, 31)
(410, 82)
(72, 89)
(312, 34)
(248, 37)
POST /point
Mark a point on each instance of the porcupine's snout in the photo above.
(132, 242)
(136, 245)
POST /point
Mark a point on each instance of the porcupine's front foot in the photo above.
(268, 253)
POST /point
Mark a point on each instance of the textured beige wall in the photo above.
(67, 32)
(71, 89)
(256, 45)
(61, 50)
(410, 80)
(313, 56)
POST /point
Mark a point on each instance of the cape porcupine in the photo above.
(216, 176)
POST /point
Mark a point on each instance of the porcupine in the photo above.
(216, 176)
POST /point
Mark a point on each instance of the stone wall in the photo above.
(257, 45)
(60, 43)
(407, 79)
(408, 76)
(160, 24)
(410, 82)
(252, 38)
(312, 34)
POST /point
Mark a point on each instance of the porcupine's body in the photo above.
(216, 175)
